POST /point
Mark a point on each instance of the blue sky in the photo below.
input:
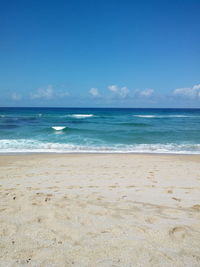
(100, 53)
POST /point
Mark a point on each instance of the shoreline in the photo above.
(98, 153)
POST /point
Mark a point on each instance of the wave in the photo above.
(178, 116)
(80, 116)
(35, 146)
(66, 130)
(58, 128)
(162, 116)
(145, 116)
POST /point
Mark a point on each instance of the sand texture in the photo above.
(99, 210)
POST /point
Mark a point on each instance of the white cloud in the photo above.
(122, 92)
(191, 92)
(146, 93)
(113, 88)
(15, 96)
(43, 93)
(94, 92)
(48, 93)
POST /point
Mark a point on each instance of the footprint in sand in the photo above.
(170, 191)
(178, 233)
(196, 207)
(151, 220)
(177, 199)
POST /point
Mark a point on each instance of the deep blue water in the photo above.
(100, 130)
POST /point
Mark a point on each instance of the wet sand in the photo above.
(99, 210)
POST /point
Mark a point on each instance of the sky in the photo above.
(105, 53)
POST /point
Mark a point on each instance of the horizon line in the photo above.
(106, 107)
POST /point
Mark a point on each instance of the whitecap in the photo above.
(145, 116)
(161, 116)
(79, 116)
(58, 128)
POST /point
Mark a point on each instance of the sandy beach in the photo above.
(99, 210)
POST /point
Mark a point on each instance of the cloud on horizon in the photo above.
(146, 93)
(189, 92)
(94, 92)
(112, 95)
(121, 92)
(48, 93)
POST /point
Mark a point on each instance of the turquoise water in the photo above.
(100, 130)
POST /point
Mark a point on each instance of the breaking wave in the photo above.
(162, 116)
(34, 146)
(81, 116)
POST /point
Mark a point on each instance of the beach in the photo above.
(99, 210)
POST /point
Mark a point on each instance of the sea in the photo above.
(99, 130)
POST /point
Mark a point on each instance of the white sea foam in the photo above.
(178, 116)
(162, 116)
(80, 116)
(145, 116)
(58, 128)
(34, 146)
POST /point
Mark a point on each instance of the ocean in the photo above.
(99, 130)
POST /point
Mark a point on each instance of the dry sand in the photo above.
(99, 210)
